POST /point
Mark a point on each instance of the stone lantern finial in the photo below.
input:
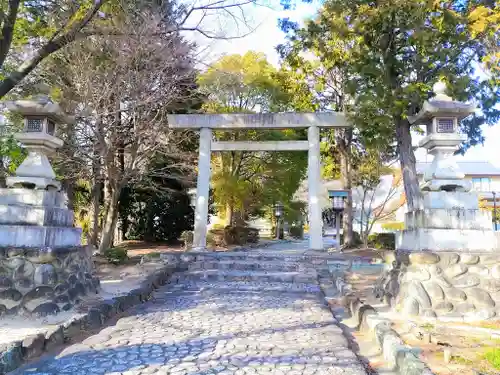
(439, 89)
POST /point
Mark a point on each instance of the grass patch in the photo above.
(490, 325)
(116, 255)
(155, 254)
(493, 357)
(427, 326)
(461, 360)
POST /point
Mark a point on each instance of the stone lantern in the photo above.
(441, 116)
(45, 267)
(40, 123)
(446, 262)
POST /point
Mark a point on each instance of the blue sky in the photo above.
(267, 36)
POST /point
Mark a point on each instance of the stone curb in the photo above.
(257, 245)
(399, 357)
(251, 246)
(14, 354)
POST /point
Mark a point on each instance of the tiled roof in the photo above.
(470, 168)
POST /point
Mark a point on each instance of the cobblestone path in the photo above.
(209, 330)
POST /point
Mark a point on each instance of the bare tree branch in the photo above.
(8, 29)
(54, 44)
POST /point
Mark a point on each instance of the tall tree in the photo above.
(37, 29)
(397, 50)
(244, 182)
(124, 86)
(32, 30)
(324, 71)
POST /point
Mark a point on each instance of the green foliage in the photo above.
(462, 360)
(382, 58)
(296, 232)
(240, 83)
(84, 223)
(158, 208)
(493, 357)
(156, 216)
(243, 182)
(382, 241)
(40, 27)
(116, 255)
(395, 225)
(232, 235)
(11, 154)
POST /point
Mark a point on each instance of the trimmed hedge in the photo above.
(394, 225)
(115, 255)
(385, 241)
(296, 232)
(232, 235)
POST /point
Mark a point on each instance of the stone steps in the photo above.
(249, 265)
(268, 256)
(236, 275)
(246, 286)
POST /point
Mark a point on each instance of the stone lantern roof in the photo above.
(40, 106)
(441, 115)
(442, 105)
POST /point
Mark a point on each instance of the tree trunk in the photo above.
(110, 220)
(96, 210)
(125, 226)
(229, 214)
(362, 217)
(346, 179)
(408, 165)
(365, 240)
(3, 173)
(343, 142)
(68, 187)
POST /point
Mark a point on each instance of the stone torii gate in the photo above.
(206, 122)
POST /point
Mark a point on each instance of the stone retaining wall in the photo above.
(444, 284)
(15, 353)
(43, 282)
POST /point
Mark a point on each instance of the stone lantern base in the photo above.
(444, 284)
(44, 281)
(43, 267)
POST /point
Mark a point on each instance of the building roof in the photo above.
(470, 168)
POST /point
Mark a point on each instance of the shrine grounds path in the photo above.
(231, 321)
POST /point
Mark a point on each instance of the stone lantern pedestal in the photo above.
(446, 262)
(43, 266)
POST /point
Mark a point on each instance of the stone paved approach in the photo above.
(208, 330)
